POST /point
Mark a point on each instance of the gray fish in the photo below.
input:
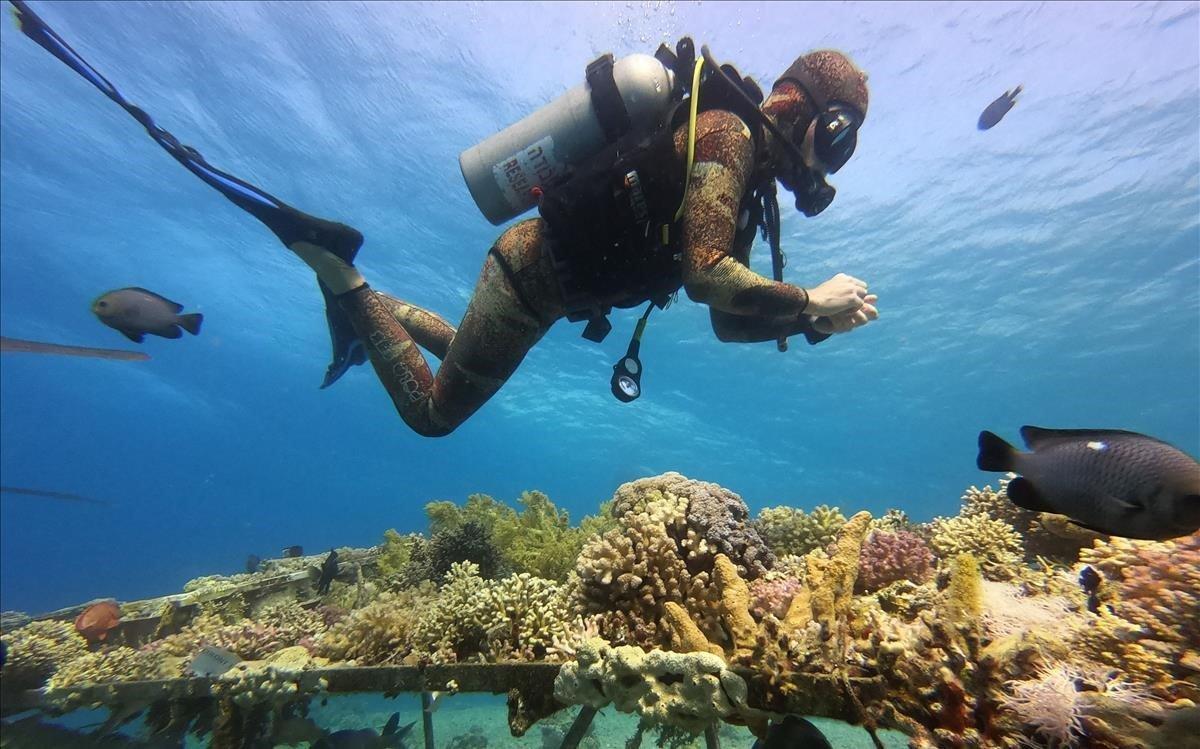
(997, 109)
(392, 737)
(793, 732)
(1109, 481)
(135, 312)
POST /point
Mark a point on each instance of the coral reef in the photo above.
(38, 649)
(888, 557)
(993, 543)
(1042, 534)
(685, 690)
(772, 595)
(116, 664)
(378, 634)
(662, 550)
(515, 618)
(787, 530)
(673, 605)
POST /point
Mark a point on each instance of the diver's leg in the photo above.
(431, 332)
(516, 300)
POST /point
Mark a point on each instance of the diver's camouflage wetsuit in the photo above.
(518, 296)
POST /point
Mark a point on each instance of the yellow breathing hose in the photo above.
(691, 153)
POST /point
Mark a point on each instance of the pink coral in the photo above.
(888, 557)
(772, 596)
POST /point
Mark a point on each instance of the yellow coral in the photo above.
(117, 664)
(993, 543)
(735, 603)
(964, 595)
(690, 638)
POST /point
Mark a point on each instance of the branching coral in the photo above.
(115, 664)
(1042, 534)
(889, 557)
(1007, 611)
(1157, 584)
(38, 649)
(788, 530)
(396, 553)
(993, 543)
(518, 617)
(380, 633)
(662, 550)
(540, 539)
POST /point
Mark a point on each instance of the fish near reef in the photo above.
(793, 732)
(1109, 481)
(94, 622)
(392, 737)
(329, 570)
(293, 552)
(995, 111)
(136, 312)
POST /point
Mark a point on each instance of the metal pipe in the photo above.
(711, 739)
(579, 728)
(427, 718)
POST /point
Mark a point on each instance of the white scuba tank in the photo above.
(506, 172)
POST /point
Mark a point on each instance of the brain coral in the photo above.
(669, 530)
(888, 557)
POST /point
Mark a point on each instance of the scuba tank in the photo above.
(507, 172)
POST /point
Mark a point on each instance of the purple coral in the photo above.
(772, 596)
(888, 557)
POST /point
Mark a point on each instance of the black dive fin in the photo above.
(1022, 494)
(348, 350)
(994, 453)
(135, 337)
(191, 322)
(1012, 95)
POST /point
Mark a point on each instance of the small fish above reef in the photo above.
(329, 570)
(793, 732)
(997, 109)
(136, 312)
(95, 622)
(16, 345)
(1089, 580)
(292, 552)
(1106, 480)
(392, 737)
(65, 496)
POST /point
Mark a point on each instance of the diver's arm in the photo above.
(711, 274)
(755, 329)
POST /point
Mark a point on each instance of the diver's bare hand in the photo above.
(844, 322)
(842, 293)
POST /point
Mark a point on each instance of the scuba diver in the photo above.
(663, 186)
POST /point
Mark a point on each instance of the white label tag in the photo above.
(520, 173)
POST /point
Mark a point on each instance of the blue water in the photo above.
(1045, 272)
